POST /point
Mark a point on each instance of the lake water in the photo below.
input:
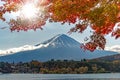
(107, 76)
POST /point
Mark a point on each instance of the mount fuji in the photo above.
(59, 47)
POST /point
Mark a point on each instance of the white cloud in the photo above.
(23, 48)
(115, 48)
(14, 50)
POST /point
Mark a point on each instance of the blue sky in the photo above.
(10, 39)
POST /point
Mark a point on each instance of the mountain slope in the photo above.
(108, 58)
(58, 47)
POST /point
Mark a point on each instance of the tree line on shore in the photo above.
(61, 67)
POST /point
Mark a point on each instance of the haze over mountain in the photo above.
(59, 47)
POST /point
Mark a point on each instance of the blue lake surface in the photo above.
(107, 76)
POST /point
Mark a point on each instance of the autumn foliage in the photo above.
(102, 16)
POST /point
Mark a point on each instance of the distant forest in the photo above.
(61, 67)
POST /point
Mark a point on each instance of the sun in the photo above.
(32, 9)
(29, 10)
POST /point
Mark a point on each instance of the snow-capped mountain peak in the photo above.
(61, 40)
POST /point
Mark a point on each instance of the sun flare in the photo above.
(29, 10)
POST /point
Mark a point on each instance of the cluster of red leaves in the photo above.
(105, 29)
(16, 26)
(96, 40)
(69, 10)
(78, 27)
